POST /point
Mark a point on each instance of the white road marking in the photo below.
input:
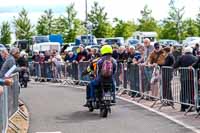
(48, 132)
(162, 114)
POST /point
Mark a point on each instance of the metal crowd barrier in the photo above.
(81, 67)
(179, 86)
(149, 85)
(4, 111)
(131, 76)
(9, 103)
(171, 86)
(197, 91)
(1, 113)
(138, 82)
(13, 95)
(46, 70)
(69, 72)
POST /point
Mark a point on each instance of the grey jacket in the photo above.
(10, 61)
(147, 51)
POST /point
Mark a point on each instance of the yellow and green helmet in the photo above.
(106, 49)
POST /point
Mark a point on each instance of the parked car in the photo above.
(45, 46)
(191, 41)
(133, 42)
(72, 48)
(168, 42)
(142, 35)
(100, 41)
(22, 45)
(86, 40)
(93, 46)
(117, 40)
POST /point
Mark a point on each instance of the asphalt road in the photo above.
(55, 108)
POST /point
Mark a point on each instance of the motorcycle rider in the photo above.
(23, 62)
(92, 71)
(102, 71)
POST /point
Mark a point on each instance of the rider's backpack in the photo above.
(107, 68)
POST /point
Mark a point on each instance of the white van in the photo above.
(42, 47)
(142, 35)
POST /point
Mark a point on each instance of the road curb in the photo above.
(19, 120)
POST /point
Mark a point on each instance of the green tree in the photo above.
(45, 25)
(147, 22)
(124, 29)
(23, 27)
(168, 30)
(5, 36)
(176, 17)
(99, 20)
(70, 23)
(190, 28)
(60, 26)
(198, 22)
(69, 26)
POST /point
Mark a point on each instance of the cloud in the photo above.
(14, 9)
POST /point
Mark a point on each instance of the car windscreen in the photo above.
(23, 44)
(85, 39)
(133, 41)
(112, 41)
(41, 39)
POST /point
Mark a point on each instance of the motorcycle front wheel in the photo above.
(103, 112)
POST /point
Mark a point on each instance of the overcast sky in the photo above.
(124, 9)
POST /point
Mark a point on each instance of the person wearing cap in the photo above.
(157, 57)
(186, 77)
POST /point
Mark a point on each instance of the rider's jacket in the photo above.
(92, 68)
(100, 63)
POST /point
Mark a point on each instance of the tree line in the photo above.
(174, 26)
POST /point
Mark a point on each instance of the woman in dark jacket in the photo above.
(186, 77)
(169, 60)
(196, 66)
(167, 75)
